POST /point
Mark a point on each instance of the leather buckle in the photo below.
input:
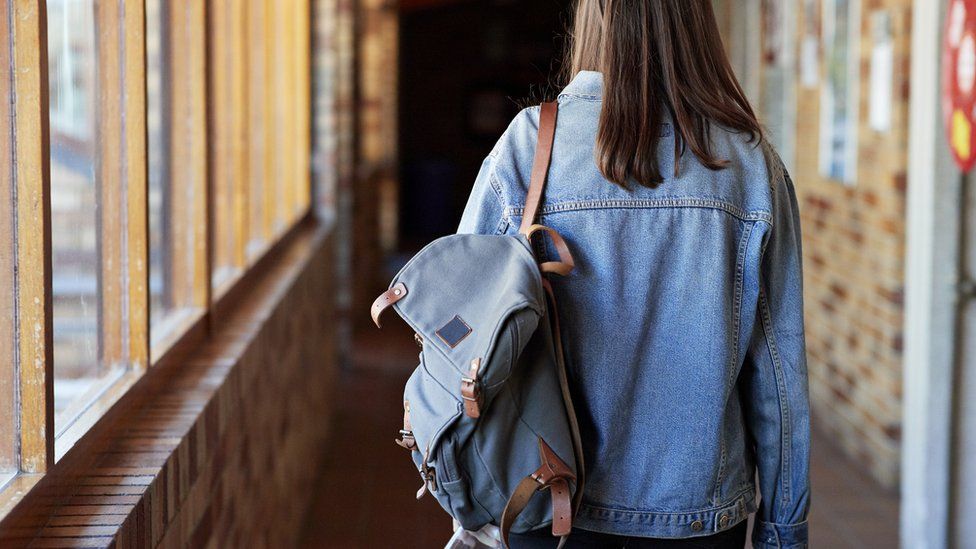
(471, 391)
(429, 478)
(407, 440)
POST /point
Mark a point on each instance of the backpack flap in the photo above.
(474, 301)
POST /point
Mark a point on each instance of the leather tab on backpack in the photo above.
(552, 467)
(471, 391)
(407, 440)
(387, 300)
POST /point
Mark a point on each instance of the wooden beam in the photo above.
(136, 174)
(9, 462)
(110, 186)
(258, 140)
(188, 154)
(228, 126)
(271, 166)
(32, 179)
(303, 108)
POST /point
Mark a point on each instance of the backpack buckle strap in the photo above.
(407, 440)
(429, 477)
(471, 391)
(553, 474)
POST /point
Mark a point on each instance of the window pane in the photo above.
(8, 386)
(161, 298)
(228, 92)
(258, 106)
(79, 374)
(177, 198)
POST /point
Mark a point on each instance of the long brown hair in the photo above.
(656, 55)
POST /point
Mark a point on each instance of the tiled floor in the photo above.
(364, 498)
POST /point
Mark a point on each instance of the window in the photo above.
(176, 88)
(81, 370)
(259, 121)
(110, 237)
(97, 208)
(279, 88)
(229, 150)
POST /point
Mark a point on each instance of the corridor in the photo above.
(201, 199)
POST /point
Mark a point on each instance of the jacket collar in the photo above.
(588, 84)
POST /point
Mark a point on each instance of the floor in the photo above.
(365, 496)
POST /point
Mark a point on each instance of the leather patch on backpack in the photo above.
(454, 332)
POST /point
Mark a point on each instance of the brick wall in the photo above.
(217, 447)
(854, 253)
(854, 239)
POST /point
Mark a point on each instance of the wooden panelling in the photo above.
(213, 448)
(32, 175)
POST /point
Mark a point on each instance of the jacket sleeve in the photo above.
(774, 380)
(485, 211)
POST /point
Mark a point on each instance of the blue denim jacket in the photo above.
(682, 323)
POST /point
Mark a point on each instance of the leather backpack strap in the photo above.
(574, 428)
(553, 475)
(540, 166)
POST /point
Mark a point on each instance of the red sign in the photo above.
(959, 81)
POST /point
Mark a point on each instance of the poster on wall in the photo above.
(839, 112)
(778, 99)
(882, 71)
(810, 45)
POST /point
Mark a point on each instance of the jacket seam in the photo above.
(578, 205)
(503, 221)
(785, 432)
(736, 323)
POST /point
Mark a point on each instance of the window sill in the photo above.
(80, 424)
(123, 454)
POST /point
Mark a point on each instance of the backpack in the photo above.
(487, 414)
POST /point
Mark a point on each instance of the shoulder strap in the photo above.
(540, 167)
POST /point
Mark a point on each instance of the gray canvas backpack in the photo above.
(487, 415)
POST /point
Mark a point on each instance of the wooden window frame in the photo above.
(9, 446)
(229, 140)
(121, 170)
(187, 172)
(195, 161)
(32, 183)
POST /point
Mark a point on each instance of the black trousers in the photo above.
(733, 538)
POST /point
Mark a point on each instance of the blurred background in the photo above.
(408, 98)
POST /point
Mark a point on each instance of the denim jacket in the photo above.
(682, 326)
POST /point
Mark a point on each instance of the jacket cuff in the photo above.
(768, 535)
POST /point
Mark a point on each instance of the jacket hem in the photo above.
(666, 524)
